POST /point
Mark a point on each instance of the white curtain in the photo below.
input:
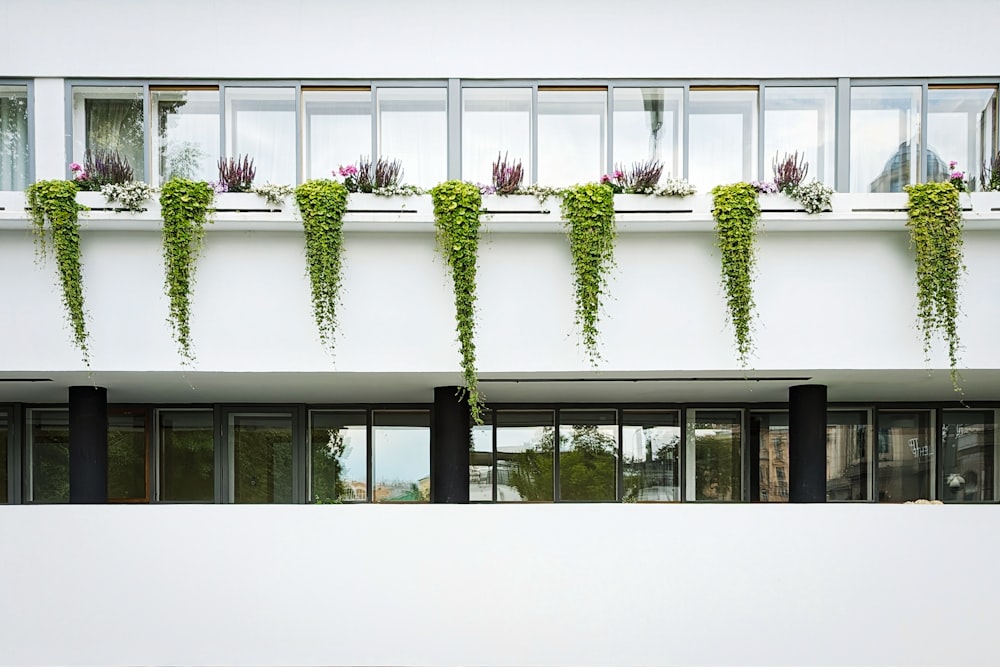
(13, 143)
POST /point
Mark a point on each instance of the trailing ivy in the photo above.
(456, 216)
(589, 212)
(184, 207)
(322, 204)
(55, 202)
(736, 212)
(935, 224)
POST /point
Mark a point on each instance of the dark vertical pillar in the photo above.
(88, 445)
(450, 442)
(753, 458)
(807, 443)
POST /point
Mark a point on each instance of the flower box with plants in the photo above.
(235, 191)
(507, 195)
(638, 189)
(987, 199)
(788, 191)
(106, 182)
(378, 187)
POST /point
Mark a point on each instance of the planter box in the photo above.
(653, 204)
(877, 202)
(985, 202)
(243, 202)
(12, 201)
(360, 202)
(519, 204)
(779, 203)
(96, 202)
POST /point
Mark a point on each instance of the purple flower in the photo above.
(605, 179)
(349, 170)
(81, 176)
(619, 175)
(74, 166)
(952, 164)
(960, 175)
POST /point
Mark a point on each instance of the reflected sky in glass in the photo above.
(401, 456)
(186, 134)
(338, 129)
(495, 121)
(722, 137)
(649, 126)
(960, 124)
(413, 128)
(260, 123)
(572, 136)
(801, 119)
(885, 137)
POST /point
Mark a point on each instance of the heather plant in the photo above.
(236, 174)
(383, 177)
(642, 178)
(789, 171)
(101, 167)
(507, 175)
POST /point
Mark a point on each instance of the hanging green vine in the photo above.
(322, 204)
(456, 216)
(55, 202)
(736, 212)
(184, 207)
(589, 212)
(935, 224)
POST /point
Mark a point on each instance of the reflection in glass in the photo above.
(651, 455)
(495, 121)
(109, 119)
(572, 136)
(960, 126)
(413, 128)
(260, 123)
(649, 126)
(338, 445)
(588, 455)
(401, 456)
(885, 137)
(185, 134)
(722, 137)
(905, 456)
(4, 437)
(13, 137)
(127, 447)
(804, 120)
(261, 456)
(338, 129)
(847, 444)
(525, 447)
(187, 456)
(48, 442)
(771, 432)
(968, 458)
(715, 468)
(481, 460)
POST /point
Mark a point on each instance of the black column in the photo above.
(807, 443)
(450, 446)
(88, 445)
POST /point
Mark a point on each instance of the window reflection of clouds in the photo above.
(885, 137)
(400, 448)
(413, 128)
(338, 128)
(722, 137)
(186, 135)
(495, 121)
(801, 119)
(648, 125)
(572, 135)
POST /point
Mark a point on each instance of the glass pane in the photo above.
(905, 456)
(109, 119)
(127, 447)
(572, 136)
(187, 456)
(847, 437)
(722, 137)
(715, 469)
(338, 445)
(338, 127)
(588, 455)
(649, 126)
(771, 431)
(525, 445)
(481, 460)
(885, 137)
(48, 442)
(651, 452)
(401, 456)
(261, 450)
(13, 137)
(495, 121)
(969, 457)
(260, 123)
(413, 128)
(186, 134)
(802, 120)
(4, 442)
(960, 125)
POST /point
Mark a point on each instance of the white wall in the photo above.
(609, 585)
(516, 38)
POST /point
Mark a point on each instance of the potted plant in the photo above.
(987, 199)
(508, 196)
(378, 187)
(234, 190)
(637, 189)
(105, 182)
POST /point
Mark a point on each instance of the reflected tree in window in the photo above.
(587, 462)
(329, 448)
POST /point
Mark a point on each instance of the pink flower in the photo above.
(960, 175)
(82, 176)
(73, 166)
(952, 164)
(605, 179)
(619, 174)
(349, 170)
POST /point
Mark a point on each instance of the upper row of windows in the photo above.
(562, 134)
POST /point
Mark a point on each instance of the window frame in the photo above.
(29, 85)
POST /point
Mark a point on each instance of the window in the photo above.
(885, 137)
(338, 445)
(803, 120)
(413, 128)
(572, 135)
(260, 457)
(128, 462)
(847, 463)
(186, 456)
(14, 160)
(722, 136)
(961, 123)
(651, 442)
(714, 462)
(260, 123)
(110, 119)
(968, 456)
(4, 464)
(649, 125)
(48, 455)
(588, 455)
(481, 460)
(495, 122)
(185, 133)
(770, 429)
(905, 456)
(338, 128)
(401, 456)
(525, 450)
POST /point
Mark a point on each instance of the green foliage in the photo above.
(322, 204)
(935, 223)
(587, 466)
(736, 212)
(589, 211)
(54, 202)
(185, 210)
(456, 216)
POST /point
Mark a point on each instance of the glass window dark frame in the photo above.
(8, 467)
(158, 454)
(144, 415)
(954, 483)
(298, 444)
(29, 145)
(367, 417)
